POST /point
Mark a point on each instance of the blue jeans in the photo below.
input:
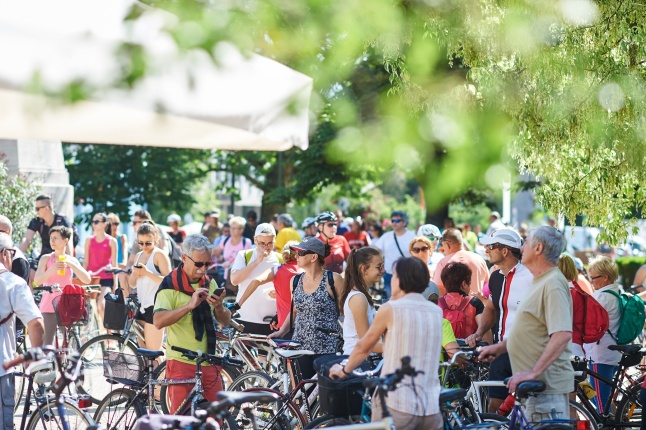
(602, 389)
(387, 278)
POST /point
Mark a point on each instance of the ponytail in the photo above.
(353, 279)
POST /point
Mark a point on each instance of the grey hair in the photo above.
(5, 241)
(286, 220)
(196, 242)
(552, 240)
(6, 222)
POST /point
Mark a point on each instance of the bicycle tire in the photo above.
(76, 417)
(119, 409)
(288, 417)
(94, 383)
(90, 330)
(327, 421)
(630, 409)
(583, 414)
(252, 379)
(554, 426)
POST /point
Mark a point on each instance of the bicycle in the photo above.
(57, 411)
(629, 407)
(124, 406)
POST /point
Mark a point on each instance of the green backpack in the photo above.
(631, 321)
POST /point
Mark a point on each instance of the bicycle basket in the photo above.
(340, 398)
(115, 316)
(71, 309)
(123, 368)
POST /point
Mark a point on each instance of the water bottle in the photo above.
(507, 406)
(62, 271)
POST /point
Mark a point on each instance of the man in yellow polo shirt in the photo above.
(187, 305)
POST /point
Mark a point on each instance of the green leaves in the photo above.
(17, 196)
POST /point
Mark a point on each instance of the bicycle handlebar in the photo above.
(468, 355)
(370, 373)
(29, 355)
(236, 325)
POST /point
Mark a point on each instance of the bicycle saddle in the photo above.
(239, 397)
(625, 349)
(295, 353)
(527, 388)
(450, 394)
(149, 353)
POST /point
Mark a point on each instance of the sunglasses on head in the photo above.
(144, 243)
(198, 264)
(304, 253)
(422, 249)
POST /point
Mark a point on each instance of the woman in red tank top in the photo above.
(100, 254)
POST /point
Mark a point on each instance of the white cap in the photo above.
(504, 236)
(173, 218)
(265, 229)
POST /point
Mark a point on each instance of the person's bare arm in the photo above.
(69, 248)
(221, 313)
(36, 330)
(240, 275)
(487, 321)
(555, 346)
(253, 286)
(80, 272)
(124, 249)
(42, 273)
(165, 318)
(26, 240)
(86, 259)
(359, 307)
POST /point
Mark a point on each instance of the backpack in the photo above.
(460, 313)
(592, 322)
(631, 321)
(70, 306)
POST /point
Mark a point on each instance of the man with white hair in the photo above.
(260, 307)
(20, 264)
(540, 340)
(16, 300)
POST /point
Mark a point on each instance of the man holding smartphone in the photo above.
(187, 304)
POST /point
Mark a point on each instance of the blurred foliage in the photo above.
(456, 94)
(628, 267)
(17, 196)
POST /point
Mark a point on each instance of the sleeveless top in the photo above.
(119, 249)
(146, 287)
(416, 332)
(315, 310)
(350, 335)
(100, 256)
(46, 305)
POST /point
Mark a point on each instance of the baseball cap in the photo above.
(312, 244)
(429, 230)
(173, 218)
(289, 245)
(215, 213)
(504, 236)
(495, 214)
(265, 229)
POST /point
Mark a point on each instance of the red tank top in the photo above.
(284, 289)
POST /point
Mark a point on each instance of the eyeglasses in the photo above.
(592, 278)
(304, 253)
(331, 224)
(11, 251)
(418, 250)
(198, 264)
(144, 243)
(396, 220)
(265, 245)
(97, 221)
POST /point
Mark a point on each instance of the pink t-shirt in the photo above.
(476, 263)
(229, 251)
(46, 305)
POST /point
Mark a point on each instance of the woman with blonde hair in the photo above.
(603, 275)
(421, 247)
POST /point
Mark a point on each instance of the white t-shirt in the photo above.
(388, 247)
(350, 335)
(14, 296)
(598, 351)
(519, 287)
(259, 305)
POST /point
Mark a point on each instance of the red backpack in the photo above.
(460, 313)
(590, 320)
(70, 306)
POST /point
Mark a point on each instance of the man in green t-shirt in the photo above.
(540, 340)
(186, 304)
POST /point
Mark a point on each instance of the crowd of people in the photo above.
(429, 284)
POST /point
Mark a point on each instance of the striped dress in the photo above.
(416, 332)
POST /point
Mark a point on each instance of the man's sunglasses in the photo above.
(422, 249)
(198, 264)
(304, 253)
(144, 243)
(331, 224)
(396, 220)
(495, 246)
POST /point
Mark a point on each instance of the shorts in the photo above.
(107, 282)
(499, 370)
(146, 316)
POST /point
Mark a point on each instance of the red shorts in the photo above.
(211, 382)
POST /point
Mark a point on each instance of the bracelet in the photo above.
(343, 370)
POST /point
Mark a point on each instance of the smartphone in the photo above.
(218, 291)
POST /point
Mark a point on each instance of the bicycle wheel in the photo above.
(94, 383)
(582, 414)
(268, 416)
(47, 417)
(119, 410)
(229, 374)
(252, 379)
(91, 329)
(629, 410)
(327, 421)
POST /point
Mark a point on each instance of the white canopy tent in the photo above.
(247, 102)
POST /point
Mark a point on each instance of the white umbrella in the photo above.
(246, 102)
